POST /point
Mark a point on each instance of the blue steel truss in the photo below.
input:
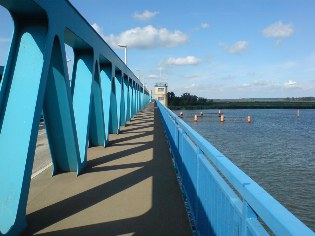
(223, 200)
(103, 95)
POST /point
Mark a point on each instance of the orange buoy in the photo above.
(249, 119)
(196, 118)
(201, 113)
(222, 118)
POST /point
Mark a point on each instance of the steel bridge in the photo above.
(104, 93)
(102, 96)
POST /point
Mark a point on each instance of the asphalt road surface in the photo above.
(42, 153)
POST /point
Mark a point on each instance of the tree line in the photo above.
(186, 99)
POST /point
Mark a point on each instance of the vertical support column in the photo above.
(122, 103)
(82, 92)
(142, 97)
(129, 100)
(137, 98)
(118, 87)
(97, 127)
(140, 102)
(113, 121)
(133, 102)
(125, 100)
(248, 214)
(22, 90)
(59, 116)
(105, 75)
(116, 102)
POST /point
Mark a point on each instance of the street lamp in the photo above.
(125, 47)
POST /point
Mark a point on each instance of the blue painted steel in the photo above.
(125, 107)
(1, 71)
(216, 207)
(133, 98)
(119, 94)
(59, 116)
(35, 79)
(82, 93)
(105, 74)
(129, 100)
(97, 126)
(113, 119)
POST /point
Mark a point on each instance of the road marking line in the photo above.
(41, 170)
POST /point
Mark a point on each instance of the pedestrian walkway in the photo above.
(128, 188)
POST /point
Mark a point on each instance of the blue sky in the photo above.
(210, 48)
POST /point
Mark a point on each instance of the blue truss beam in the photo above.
(36, 79)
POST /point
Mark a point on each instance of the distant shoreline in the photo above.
(250, 105)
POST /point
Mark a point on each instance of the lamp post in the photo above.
(125, 47)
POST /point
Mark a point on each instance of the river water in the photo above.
(277, 150)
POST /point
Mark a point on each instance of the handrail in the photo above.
(104, 93)
(254, 203)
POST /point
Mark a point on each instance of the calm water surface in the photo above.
(277, 150)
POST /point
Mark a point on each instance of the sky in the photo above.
(209, 48)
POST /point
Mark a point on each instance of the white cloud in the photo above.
(147, 37)
(266, 84)
(236, 48)
(98, 29)
(189, 60)
(146, 15)
(245, 85)
(205, 25)
(291, 84)
(279, 31)
(152, 76)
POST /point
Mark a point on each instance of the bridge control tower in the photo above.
(160, 93)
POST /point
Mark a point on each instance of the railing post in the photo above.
(197, 205)
(248, 213)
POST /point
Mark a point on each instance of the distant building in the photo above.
(160, 93)
(1, 72)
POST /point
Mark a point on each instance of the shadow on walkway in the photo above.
(127, 188)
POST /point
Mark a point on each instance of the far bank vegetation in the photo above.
(189, 102)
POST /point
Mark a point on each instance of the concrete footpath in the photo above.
(128, 188)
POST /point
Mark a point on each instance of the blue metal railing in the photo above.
(222, 198)
(104, 93)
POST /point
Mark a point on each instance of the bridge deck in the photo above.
(129, 188)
